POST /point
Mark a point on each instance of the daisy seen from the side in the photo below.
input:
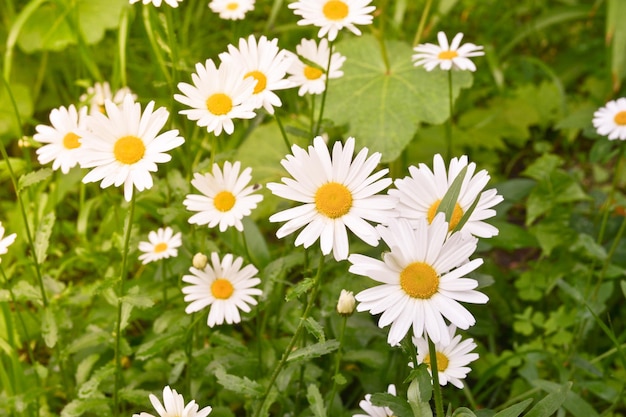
(174, 406)
(420, 194)
(452, 359)
(333, 15)
(610, 120)
(61, 139)
(372, 410)
(264, 62)
(312, 79)
(447, 56)
(124, 146)
(157, 3)
(226, 197)
(218, 95)
(5, 241)
(160, 245)
(224, 286)
(337, 192)
(232, 9)
(422, 279)
(97, 94)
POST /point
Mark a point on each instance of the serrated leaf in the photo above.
(232, 344)
(515, 410)
(49, 328)
(313, 351)
(315, 401)
(160, 344)
(543, 167)
(79, 407)
(84, 368)
(399, 406)
(32, 178)
(42, 236)
(299, 289)
(240, 385)
(552, 402)
(315, 329)
(90, 388)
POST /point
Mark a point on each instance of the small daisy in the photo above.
(157, 3)
(225, 199)
(161, 244)
(218, 96)
(7, 241)
(312, 79)
(99, 93)
(61, 139)
(333, 15)
(447, 57)
(224, 286)
(374, 410)
(452, 360)
(232, 9)
(422, 280)
(125, 146)
(174, 405)
(264, 62)
(610, 120)
(337, 192)
(420, 194)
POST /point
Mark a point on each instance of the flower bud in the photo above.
(199, 260)
(346, 303)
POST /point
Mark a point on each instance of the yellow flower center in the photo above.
(335, 10)
(219, 104)
(457, 214)
(70, 141)
(333, 200)
(232, 6)
(312, 73)
(261, 80)
(620, 118)
(442, 362)
(222, 289)
(160, 247)
(447, 55)
(224, 201)
(129, 149)
(419, 280)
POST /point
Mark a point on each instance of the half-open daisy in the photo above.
(217, 96)
(124, 146)
(226, 197)
(264, 62)
(160, 245)
(62, 138)
(157, 3)
(447, 56)
(232, 9)
(5, 241)
(224, 286)
(333, 15)
(610, 120)
(422, 280)
(312, 79)
(374, 410)
(337, 192)
(452, 359)
(99, 93)
(420, 194)
(174, 405)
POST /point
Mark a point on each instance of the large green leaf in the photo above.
(384, 107)
(616, 35)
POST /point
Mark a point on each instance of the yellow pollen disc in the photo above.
(219, 104)
(620, 118)
(232, 6)
(442, 362)
(70, 141)
(222, 289)
(224, 201)
(261, 80)
(419, 280)
(447, 55)
(457, 214)
(129, 149)
(333, 200)
(335, 10)
(312, 73)
(160, 247)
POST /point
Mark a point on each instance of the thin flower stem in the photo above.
(432, 354)
(246, 248)
(122, 37)
(420, 27)
(171, 37)
(607, 261)
(313, 115)
(283, 132)
(213, 150)
(616, 176)
(450, 119)
(318, 126)
(333, 390)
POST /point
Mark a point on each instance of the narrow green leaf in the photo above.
(515, 410)
(32, 178)
(622, 284)
(450, 199)
(314, 350)
(398, 405)
(84, 368)
(616, 35)
(466, 215)
(315, 401)
(49, 328)
(552, 402)
(240, 385)
(573, 402)
(315, 328)
(42, 236)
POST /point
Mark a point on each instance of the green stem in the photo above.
(614, 246)
(283, 132)
(420, 27)
(432, 353)
(171, 36)
(121, 40)
(333, 390)
(450, 119)
(325, 92)
(609, 204)
(213, 150)
(312, 115)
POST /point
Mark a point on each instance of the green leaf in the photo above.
(313, 351)
(543, 167)
(383, 106)
(450, 199)
(42, 236)
(315, 329)
(23, 101)
(622, 284)
(31, 178)
(573, 402)
(49, 328)
(420, 391)
(616, 34)
(463, 412)
(552, 402)
(515, 410)
(238, 384)
(315, 401)
(84, 368)
(299, 289)
(399, 406)
(90, 388)
(79, 407)
(160, 344)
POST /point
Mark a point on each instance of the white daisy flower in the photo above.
(174, 405)
(96, 95)
(452, 360)
(312, 79)
(224, 286)
(422, 280)
(232, 9)
(337, 192)
(264, 62)
(61, 139)
(610, 120)
(218, 96)
(225, 199)
(447, 56)
(373, 410)
(125, 146)
(157, 3)
(420, 194)
(5, 241)
(333, 15)
(161, 244)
